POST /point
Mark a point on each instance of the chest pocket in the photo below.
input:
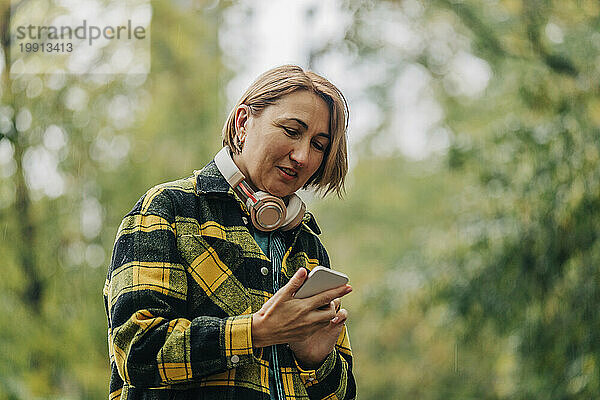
(213, 267)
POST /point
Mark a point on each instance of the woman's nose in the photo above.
(300, 153)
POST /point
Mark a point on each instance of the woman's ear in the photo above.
(242, 113)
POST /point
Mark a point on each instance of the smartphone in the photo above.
(319, 280)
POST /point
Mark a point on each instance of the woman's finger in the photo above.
(327, 296)
(340, 317)
(295, 282)
(337, 303)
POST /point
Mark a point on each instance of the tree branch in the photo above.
(25, 243)
(490, 43)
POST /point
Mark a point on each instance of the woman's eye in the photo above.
(318, 146)
(290, 132)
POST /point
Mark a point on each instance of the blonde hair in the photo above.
(286, 79)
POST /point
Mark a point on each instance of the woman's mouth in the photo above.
(288, 172)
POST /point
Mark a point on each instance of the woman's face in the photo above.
(284, 144)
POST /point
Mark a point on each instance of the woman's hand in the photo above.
(285, 319)
(312, 351)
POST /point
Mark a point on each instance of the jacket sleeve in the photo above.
(152, 340)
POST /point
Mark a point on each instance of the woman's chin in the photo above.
(281, 194)
(279, 191)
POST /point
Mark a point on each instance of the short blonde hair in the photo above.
(286, 79)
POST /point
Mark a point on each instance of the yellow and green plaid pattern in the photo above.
(183, 283)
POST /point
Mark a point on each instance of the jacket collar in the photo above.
(210, 180)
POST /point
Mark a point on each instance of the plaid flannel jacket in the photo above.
(184, 278)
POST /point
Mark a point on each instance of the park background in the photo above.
(470, 227)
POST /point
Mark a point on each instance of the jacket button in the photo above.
(264, 271)
(235, 359)
(245, 220)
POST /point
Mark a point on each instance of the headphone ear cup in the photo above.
(295, 212)
(268, 213)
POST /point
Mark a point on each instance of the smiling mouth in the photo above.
(288, 171)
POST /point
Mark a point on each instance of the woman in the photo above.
(199, 295)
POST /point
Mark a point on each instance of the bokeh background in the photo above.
(470, 228)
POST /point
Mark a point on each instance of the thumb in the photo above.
(295, 282)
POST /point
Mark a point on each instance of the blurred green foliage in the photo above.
(475, 269)
(506, 243)
(118, 135)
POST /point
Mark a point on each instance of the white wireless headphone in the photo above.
(266, 211)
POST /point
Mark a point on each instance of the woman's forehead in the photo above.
(305, 109)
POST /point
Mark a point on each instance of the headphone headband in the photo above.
(227, 167)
